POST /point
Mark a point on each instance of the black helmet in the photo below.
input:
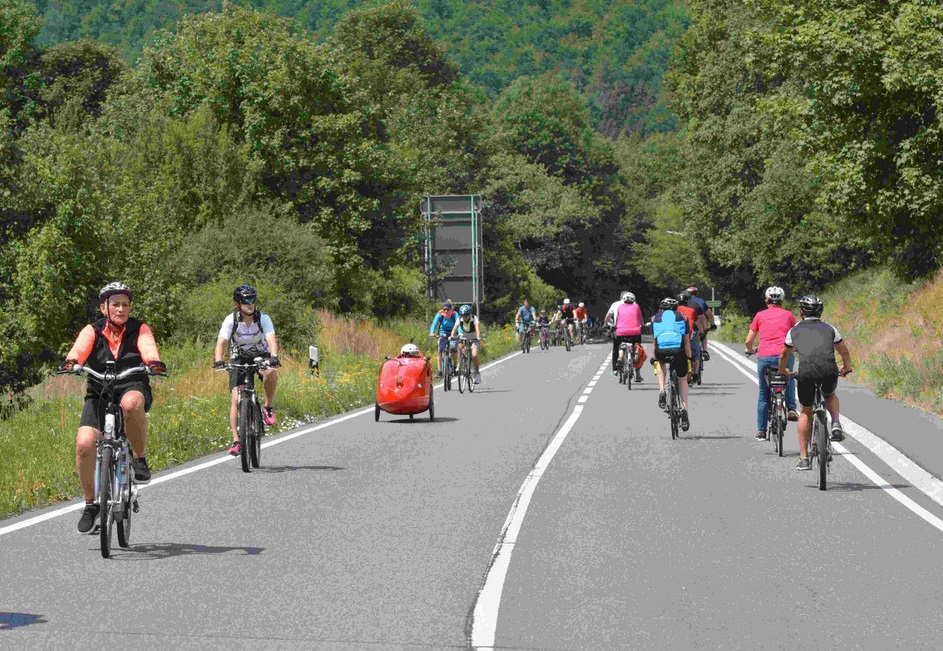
(244, 294)
(668, 304)
(811, 305)
(113, 288)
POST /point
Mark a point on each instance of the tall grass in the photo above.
(190, 415)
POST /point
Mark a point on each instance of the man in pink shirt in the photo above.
(771, 325)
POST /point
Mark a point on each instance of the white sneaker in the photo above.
(477, 378)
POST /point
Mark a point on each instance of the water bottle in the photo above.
(122, 471)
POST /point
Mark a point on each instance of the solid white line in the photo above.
(212, 462)
(917, 476)
(485, 618)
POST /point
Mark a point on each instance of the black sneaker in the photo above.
(804, 464)
(685, 423)
(706, 356)
(142, 474)
(662, 400)
(638, 376)
(761, 436)
(87, 521)
(838, 434)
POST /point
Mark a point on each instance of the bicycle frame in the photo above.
(250, 446)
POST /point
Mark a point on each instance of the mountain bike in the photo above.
(672, 398)
(776, 414)
(249, 425)
(567, 337)
(544, 336)
(115, 489)
(466, 378)
(445, 361)
(525, 338)
(820, 445)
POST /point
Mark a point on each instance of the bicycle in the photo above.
(465, 379)
(820, 447)
(776, 414)
(567, 337)
(626, 363)
(672, 399)
(249, 425)
(525, 338)
(582, 332)
(445, 362)
(544, 336)
(115, 488)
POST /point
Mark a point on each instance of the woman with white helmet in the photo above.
(771, 326)
(626, 316)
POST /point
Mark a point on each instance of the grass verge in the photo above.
(190, 415)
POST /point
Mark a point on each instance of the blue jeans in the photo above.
(762, 402)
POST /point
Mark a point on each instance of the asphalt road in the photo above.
(365, 535)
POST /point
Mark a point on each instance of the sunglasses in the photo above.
(248, 301)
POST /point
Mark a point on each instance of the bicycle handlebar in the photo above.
(78, 369)
(257, 364)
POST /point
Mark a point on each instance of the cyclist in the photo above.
(626, 315)
(441, 328)
(708, 320)
(692, 312)
(543, 321)
(525, 317)
(815, 342)
(568, 314)
(771, 326)
(672, 346)
(468, 327)
(250, 334)
(557, 321)
(129, 343)
(582, 317)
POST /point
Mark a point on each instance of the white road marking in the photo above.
(485, 614)
(212, 462)
(593, 383)
(582, 399)
(917, 476)
(588, 390)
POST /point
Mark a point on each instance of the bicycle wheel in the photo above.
(470, 380)
(670, 403)
(106, 482)
(568, 341)
(255, 438)
(630, 367)
(462, 372)
(431, 406)
(124, 523)
(780, 427)
(821, 440)
(243, 424)
(376, 411)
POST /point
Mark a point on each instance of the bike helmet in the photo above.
(582, 304)
(244, 294)
(775, 294)
(543, 311)
(693, 290)
(628, 297)
(409, 350)
(566, 301)
(113, 288)
(465, 310)
(668, 304)
(684, 297)
(811, 305)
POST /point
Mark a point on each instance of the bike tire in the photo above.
(780, 429)
(569, 344)
(670, 403)
(470, 380)
(431, 405)
(821, 438)
(243, 424)
(628, 375)
(255, 442)
(106, 481)
(461, 374)
(124, 524)
(376, 411)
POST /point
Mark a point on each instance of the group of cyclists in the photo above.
(567, 316)
(679, 330)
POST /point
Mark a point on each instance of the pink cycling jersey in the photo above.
(629, 320)
(772, 324)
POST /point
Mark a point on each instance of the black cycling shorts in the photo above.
(93, 412)
(805, 388)
(237, 377)
(674, 356)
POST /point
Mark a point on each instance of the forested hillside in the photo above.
(613, 51)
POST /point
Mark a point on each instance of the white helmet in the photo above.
(410, 350)
(582, 304)
(775, 294)
(566, 301)
(628, 297)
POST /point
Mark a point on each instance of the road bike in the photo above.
(249, 425)
(445, 361)
(776, 414)
(626, 363)
(115, 488)
(672, 398)
(466, 378)
(544, 336)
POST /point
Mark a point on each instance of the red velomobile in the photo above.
(405, 386)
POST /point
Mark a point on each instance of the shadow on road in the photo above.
(293, 468)
(16, 620)
(855, 486)
(492, 391)
(708, 438)
(159, 551)
(420, 419)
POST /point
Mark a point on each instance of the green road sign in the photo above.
(713, 303)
